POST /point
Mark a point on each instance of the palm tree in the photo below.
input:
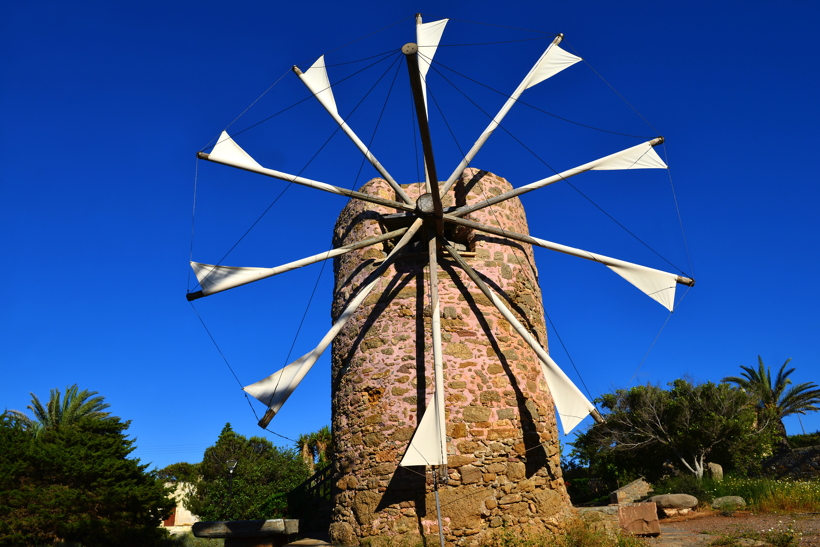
(774, 397)
(307, 449)
(62, 411)
(315, 447)
(322, 440)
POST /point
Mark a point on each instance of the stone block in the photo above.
(246, 528)
(633, 491)
(470, 474)
(641, 519)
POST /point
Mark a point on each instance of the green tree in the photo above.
(646, 425)
(255, 490)
(61, 410)
(76, 483)
(775, 397)
(179, 472)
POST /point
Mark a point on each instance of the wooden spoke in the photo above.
(310, 183)
(307, 361)
(230, 277)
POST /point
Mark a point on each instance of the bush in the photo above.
(802, 441)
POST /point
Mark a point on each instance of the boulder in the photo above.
(728, 503)
(715, 471)
(671, 505)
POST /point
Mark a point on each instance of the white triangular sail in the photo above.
(277, 387)
(227, 150)
(656, 284)
(548, 65)
(570, 404)
(641, 156)
(274, 390)
(425, 446)
(318, 82)
(428, 35)
(316, 79)
(429, 443)
(551, 63)
(214, 279)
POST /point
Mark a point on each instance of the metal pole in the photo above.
(438, 509)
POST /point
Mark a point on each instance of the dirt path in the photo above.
(703, 528)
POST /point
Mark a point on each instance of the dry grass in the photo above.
(578, 533)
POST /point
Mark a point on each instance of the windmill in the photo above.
(428, 231)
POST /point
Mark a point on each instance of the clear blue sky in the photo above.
(104, 105)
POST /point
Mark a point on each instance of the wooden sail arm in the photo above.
(572, 405)
(317, 82)
(633, 157)
(411, 54)
(214, 278)
(270, 391)
(429, 443)
(654, 283)
(542, 70)
(307, 182)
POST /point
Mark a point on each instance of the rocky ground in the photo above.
(702, 528)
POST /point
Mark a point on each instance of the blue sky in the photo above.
(104, 106)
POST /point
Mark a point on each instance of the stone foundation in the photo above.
(503, 460)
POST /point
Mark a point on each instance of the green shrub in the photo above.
(802, 441)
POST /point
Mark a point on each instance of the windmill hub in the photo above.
(425, 206)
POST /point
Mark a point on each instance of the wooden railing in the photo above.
(312, 493)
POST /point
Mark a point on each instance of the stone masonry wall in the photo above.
(798, 463)
(503, 460)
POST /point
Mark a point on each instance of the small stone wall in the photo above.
(799, 463)
(503, 460)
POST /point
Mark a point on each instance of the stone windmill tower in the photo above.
(445, 400)
(501, 439)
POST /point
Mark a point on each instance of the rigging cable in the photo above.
(548, 34)
(259, 219)
(369, 34)
(385, 56)
(324, 262)
(321, 271)
(519, 101)
(539, 158)
(302, 170)
(677, 209)
(492, 210)
(193, 224)
(635, 110)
